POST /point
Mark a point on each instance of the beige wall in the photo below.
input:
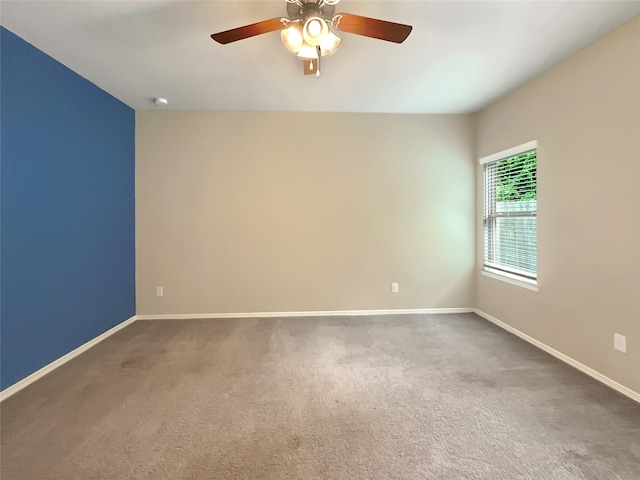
(262, 212)
(585, 113)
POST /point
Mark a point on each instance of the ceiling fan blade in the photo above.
(248, 31)
(371, 27)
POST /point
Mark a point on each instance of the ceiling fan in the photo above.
(309, 30)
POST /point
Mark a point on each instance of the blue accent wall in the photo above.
(67, 210)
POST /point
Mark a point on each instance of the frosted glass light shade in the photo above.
(292, 37)
(330, 42)
(314, 30)
(308, 51)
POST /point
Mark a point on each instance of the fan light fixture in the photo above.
(303, 39)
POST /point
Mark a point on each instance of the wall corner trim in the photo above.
(633, 395)
(320, 313)
(38, 374)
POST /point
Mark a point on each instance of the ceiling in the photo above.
(460, 57)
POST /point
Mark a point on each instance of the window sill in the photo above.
(512, 279)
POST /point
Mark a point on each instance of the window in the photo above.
(510, 213)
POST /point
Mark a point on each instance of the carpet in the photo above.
(380, 397)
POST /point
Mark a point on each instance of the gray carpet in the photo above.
(394, 397)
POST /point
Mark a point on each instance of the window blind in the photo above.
(510, 215)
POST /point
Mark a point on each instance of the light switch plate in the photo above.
(620, 342)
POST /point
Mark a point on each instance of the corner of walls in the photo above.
(477, 205)
(67, 210)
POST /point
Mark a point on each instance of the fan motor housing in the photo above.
(310, 8)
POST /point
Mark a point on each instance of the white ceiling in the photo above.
(460, 57)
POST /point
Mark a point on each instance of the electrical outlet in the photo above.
(159, 291)
(620, 342)
(394, 288)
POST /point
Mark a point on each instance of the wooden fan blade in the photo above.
(248, 31)
(371, 27)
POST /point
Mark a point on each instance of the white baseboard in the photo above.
(561, 356)
(16, 387)
(329, 313)
(38, 374)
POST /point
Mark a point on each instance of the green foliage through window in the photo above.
(520, 183)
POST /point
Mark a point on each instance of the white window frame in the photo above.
(511, 278)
